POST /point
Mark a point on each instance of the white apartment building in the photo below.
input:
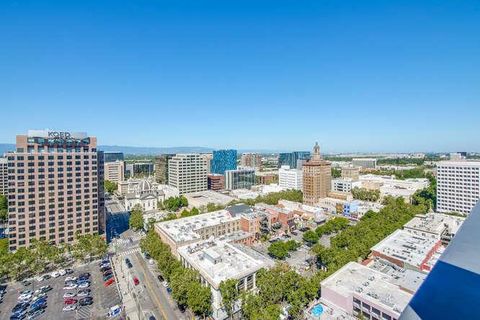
(188, 173)
(345, 184)
(115, 171)
(3, 176)
(290, 178)
(458, 186)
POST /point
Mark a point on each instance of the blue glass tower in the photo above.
(223, 160)
(291, 158)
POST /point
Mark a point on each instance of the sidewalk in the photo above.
(129, 303)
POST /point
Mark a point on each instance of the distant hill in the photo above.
(155, 150)
(4, 147)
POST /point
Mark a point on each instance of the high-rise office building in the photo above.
(55, 187)
(294, 160)
(139, 169)
(241, 178)
(290, 178)
(458, 186)
(115, 171)
(161, 168)
(187, 173)
(112, 156)
(223, 160)
(317, 178)
(251, 160)
(3, 176)
(208, 158)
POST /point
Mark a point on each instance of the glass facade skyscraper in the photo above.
(291, 159)
(223, 160)
(113, 156)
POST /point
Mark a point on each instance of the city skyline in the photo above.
(369, 77)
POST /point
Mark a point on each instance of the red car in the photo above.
(136, 281)
(109, 282)
(70, 301)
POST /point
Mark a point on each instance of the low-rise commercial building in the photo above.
(345, 184)
(438, 226)
(406, 250)
(215, 182)
(179, 232)
(203, 198)
(363, 292)
(266, 177)
(217, 261)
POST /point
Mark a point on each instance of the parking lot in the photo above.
(103, 298)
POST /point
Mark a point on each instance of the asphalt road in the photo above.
(150, 294)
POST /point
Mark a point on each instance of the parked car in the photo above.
(70, 286)
(47, 276)
(84, 275)
(128, 263)
(165, 284)
(70, 278)
(62, 272)
(39, 278)
(69, 294)
(55, 274)
(105, 269)
(39, 296)
(136, 281)
(25, 297)
(20, 306)
(3, 289)
(42, 302)
(107, 277)
(106, 273)
(114, 311)
(35, 314)
(26, 283)
(83, 293)
(86, 301)
(84, 285)
(109, 282)
(160, 278)
(70, 301)
(69, 307)
(45, 289)
(69, 271)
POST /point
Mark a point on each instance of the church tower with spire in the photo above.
(317, 178)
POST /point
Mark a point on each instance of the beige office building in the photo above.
(351, 172)
(317, 178)
(188, 173)
(55, 188)
(115, 171)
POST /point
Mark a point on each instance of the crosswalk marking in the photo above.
(83, 312)
(131, 251)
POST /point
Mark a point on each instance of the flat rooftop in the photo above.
(409, 280)
(202, 198)
(184, 229)
(435, 223)
(219, 260)
(404, 246)
(369, 285)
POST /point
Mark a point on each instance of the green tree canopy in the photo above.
(110, 186)
(229, 292)
(136, 218)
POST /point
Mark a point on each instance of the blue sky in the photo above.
(353, 75)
